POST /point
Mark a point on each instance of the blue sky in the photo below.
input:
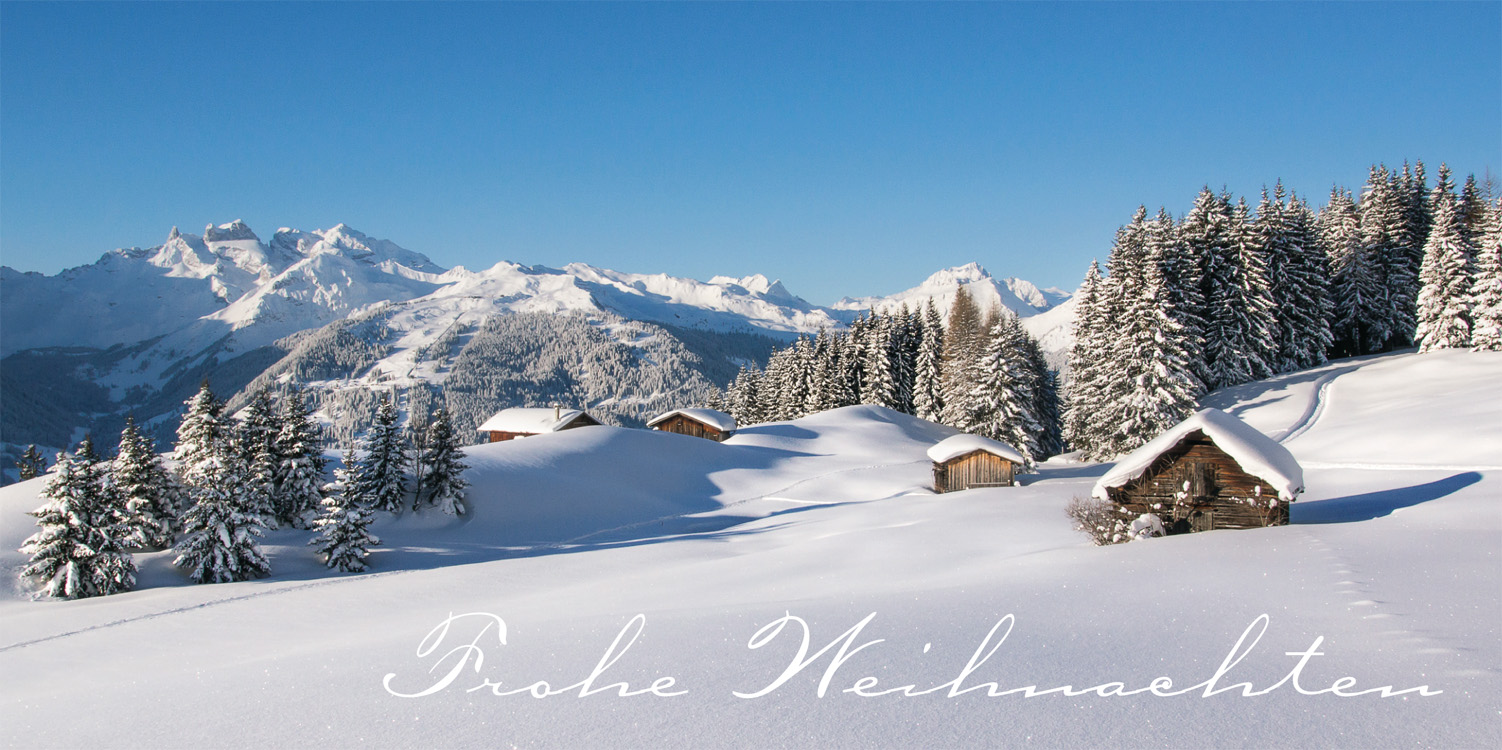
(844, 148)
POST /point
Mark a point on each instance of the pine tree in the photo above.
(1486, 287)
(79, 550)
(1381, 215)
(220, 531)
(881, 385)
(151, 496)
(1444, 303)
(343, 537)
(201, 435)
(1085, 365)
(1308, 278)
(964, 342)
(1357, 300)
(444, 465)
(380, 479)
(256, 438)
(1183, 271)
(300, 463)
(31, 464)
(928, 394)
(1003, 398)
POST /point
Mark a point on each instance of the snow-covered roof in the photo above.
(951, 448)
(716, 419)
(1257, 454)
(530, 420)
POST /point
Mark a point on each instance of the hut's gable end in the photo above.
(974, 469)
(1196, 486)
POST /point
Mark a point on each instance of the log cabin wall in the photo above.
(684, 426)
(1214, 476)
(497, 436)
(975, 469)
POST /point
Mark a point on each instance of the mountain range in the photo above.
(138, 330)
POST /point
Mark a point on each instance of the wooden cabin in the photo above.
(509, 424)
(1211, 471)
(701, 423)
(965, 462)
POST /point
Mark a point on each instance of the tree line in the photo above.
(231, 478)
(980, 372)
(1226, 296)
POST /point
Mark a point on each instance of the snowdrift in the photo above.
(684, 554)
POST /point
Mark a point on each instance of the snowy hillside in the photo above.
(139, 330)
(722, 554)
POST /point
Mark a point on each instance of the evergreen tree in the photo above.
(202, 435)
(151, 497)
(300, 463)
(1182, 276)
(1308, 278)
(79, 549)
(1357, 299)
(343, 537)
(881, 385)
(1444, 303)
(444, 465)
(1085, 362)
(256, 438)
(220, 531)
(31, 464)
(928, 394)
(1003, 399)
(964, 342)
(1381, 215)
(380, 479)
(1486, 287)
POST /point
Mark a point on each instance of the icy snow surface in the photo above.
(1257, 454)
(1391, 565)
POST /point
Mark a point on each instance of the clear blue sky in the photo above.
(844, 148)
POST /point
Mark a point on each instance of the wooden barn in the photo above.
(509, 424)
(1211, 471)
(963, 462)
(702, 423)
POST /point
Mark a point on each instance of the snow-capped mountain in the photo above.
(1018, 295)
(138, 330)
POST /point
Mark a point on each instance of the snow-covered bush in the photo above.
(1098, 519)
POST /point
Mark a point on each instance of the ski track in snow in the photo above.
(1316, 408)
(200, 606)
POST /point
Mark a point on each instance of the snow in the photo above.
(1391, 567)
(1020, 296)
(716, 419)
(1258, 455)
(530, 420)
(951, 448)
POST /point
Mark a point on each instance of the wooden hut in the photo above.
(963, 462)
(1211, 471)
(509, 424)
(702, 423)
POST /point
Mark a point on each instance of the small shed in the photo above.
(508, 424)
(1211, 471)
(703, 423)
(963, 462)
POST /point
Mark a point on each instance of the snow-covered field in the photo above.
(659, 561)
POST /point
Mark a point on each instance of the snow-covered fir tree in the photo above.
(380, 479)
(881, 382)
(1296, 281)
(201, 434)
(150, 494)
(964, 343)
(300, 463)
(343, 537)
(31, 464)
(80, 548)
(221, 530)
(256, 437)
(1085, 362)
(1381, 232)
(1357, 301)
(1444, 304)
(1486, 287)
(443, 465)
(743, 397)
(928, 386)
(1004, 399)
(1182, 276)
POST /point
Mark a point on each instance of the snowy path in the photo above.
(1315, 409)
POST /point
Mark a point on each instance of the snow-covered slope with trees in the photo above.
(1387, 576)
